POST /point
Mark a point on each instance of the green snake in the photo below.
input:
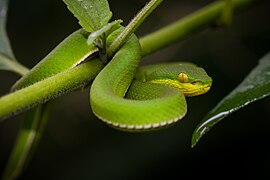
(123, 95)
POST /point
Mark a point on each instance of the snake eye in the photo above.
(183, 78)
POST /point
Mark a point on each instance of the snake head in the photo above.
(188, 78)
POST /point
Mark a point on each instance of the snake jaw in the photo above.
(198, 88)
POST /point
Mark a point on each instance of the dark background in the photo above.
(76, 145)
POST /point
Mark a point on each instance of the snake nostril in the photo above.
(193, 83)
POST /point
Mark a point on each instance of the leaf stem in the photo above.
(132, 26)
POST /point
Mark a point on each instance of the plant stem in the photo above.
(185, 26)
(132, 26)
(86, 72)
(27, 141)
(49, 88)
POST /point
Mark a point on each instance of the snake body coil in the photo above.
(121, 95)
(110, 86)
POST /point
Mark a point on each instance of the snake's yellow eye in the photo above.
(183, 78)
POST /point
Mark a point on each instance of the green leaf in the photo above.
(254, 87)
(27, 141)
(107, 29)
(7, 59)
(92, 14)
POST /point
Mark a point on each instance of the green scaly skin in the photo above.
(153, 99)
(68, 54)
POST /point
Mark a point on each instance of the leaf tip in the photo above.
(198, 133)
(195, 139)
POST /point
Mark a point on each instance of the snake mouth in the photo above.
(197, 89)
(205, 89)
